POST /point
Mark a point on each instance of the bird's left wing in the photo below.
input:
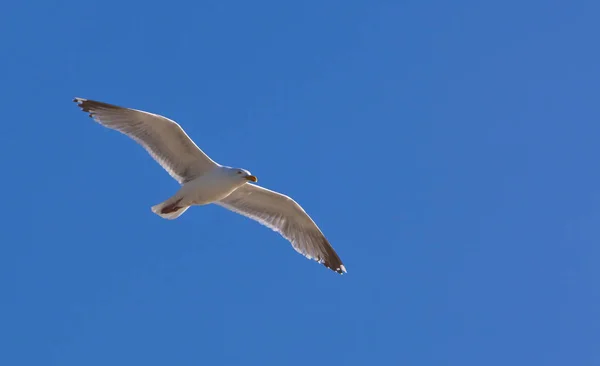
(284, 215)
(163, 138)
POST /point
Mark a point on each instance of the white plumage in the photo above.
(203, 181)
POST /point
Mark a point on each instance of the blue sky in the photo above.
(448, 150)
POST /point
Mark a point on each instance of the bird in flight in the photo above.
(203, 181)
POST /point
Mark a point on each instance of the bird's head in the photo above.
(244, 174)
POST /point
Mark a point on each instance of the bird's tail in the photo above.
(170, 209)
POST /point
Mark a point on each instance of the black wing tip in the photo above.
(339, 267)
(87, 105)
(330, 259)
(84, 104)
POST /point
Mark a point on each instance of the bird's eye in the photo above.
(239, 172)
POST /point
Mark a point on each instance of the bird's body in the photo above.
(212, 186)
(203, 181)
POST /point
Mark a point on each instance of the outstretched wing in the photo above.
(284, 215)
(163, 138)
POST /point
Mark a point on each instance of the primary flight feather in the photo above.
(203, 181)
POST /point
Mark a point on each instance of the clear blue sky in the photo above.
(448, 149)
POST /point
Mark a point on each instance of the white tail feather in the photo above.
(171, 215)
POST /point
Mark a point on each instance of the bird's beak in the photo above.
(252, 178)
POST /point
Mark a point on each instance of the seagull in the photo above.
(203, 181)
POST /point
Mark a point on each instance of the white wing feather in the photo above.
(163, 138)
(284, 215)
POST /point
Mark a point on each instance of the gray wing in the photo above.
(284, 215)
(163, 138)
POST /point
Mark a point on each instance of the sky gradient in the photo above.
(448, 150)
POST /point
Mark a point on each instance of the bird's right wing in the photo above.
(284, 215)
(163, 138)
